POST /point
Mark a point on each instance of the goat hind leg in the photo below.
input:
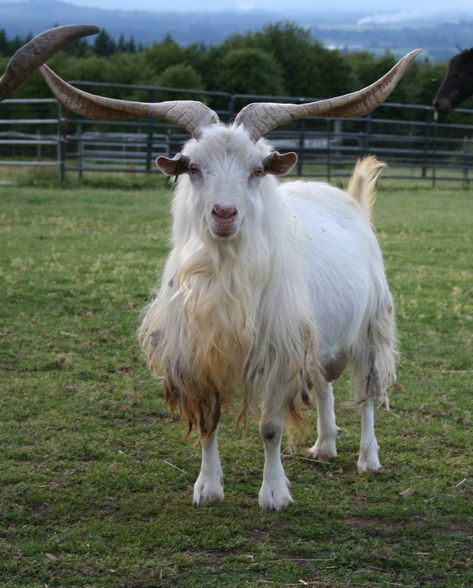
(371, 382)
(375, 368)
(368, 460)
(325, 448)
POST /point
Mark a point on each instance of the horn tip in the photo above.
(413, 54)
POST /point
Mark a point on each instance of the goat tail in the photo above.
(363, 182)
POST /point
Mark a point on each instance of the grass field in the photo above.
(95, 477)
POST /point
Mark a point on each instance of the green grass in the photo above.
(95, 477)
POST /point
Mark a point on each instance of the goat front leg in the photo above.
(325, 448)
(274, 493)
(368, 460)
(208, 487)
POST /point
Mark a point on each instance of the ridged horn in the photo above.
(189, 114)
(31, 56)
(261, 117)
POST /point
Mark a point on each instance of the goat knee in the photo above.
(271, 431)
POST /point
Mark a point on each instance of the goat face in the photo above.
(225, 168)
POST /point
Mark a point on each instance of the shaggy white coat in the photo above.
(284, 303)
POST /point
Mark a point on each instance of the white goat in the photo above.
(268, 287)
(271, 288)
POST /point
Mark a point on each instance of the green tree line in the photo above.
(280, 59)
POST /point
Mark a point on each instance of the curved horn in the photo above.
(189, 114)
(28, 58)
(260, 117)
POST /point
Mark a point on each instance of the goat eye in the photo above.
(258, 171)
(194, 170)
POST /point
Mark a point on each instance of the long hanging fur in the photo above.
(232, 315)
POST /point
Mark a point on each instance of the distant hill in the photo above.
(348, 32)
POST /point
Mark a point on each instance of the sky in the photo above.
(394, 6)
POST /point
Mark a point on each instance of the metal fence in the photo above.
(406, 137)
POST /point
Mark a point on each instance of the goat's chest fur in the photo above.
(227, 318)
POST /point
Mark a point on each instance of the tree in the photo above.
(4, 46)
(307, 67)
(181, 75)
(162, 55)
(126, 68)
(104, 45)
(121, 45)
(249, 71)
(291, 46)
(130, 46)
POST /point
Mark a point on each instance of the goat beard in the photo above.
(218, 300)
(199, 337)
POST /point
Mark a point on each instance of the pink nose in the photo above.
(224, 212)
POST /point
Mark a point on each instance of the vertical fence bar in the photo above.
(328, 127)
(368, 128)
(80, 152)
(337, 140)
(150, 135)
(231, 107)
(426, 145)
(466, 180)
(39, 151)
(61, 164)
(301, 147)
(434, 153)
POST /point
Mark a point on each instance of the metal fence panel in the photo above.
(406, 137)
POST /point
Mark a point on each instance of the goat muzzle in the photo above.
(224, 221)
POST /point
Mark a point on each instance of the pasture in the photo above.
(95, 476)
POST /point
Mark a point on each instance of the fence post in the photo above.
(80, 151)
(231, 107)
(39, 151)
(301, 149)
(466, 179)
(60, 145)
(434, 153)
(367, 134)
(425, 158)
(338, 134)
(329, 149)
(150, 137)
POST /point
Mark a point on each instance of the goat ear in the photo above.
(179, 164)
(279, 164)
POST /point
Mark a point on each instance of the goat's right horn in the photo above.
(189, 114)
(31, 56)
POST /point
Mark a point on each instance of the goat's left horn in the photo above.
(31, 56)
(261, 117)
